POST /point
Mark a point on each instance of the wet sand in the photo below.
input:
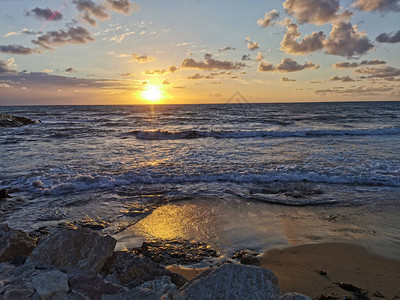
(298, 270)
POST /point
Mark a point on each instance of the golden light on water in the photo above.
(153, 94)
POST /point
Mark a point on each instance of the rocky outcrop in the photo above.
(49, 283)
(83, 249)
(132, 270)
(294, 296)
(248, 257)
(93, 287)
(14, 243)
(14, 121)
(233, 282)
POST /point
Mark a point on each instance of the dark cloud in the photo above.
(309, 44)
(315, 11)
(346, 40)
(72, 35)
(368, 91)
(287, 65)
(347, 65)
(226, 49)
(141, 58)
(17, 49)
(211, 64)
(127, 74)
(89, 10)
(165, 82)
(45, 14)
(346, 78)
(69, 70)
(246, 57)
(287, 79)
(6, 67)
(195, 76)
(122, 6)
(378, 5)
(207, 55)
(383, 72)
(269, 18)
(170, 69)
(388, 38)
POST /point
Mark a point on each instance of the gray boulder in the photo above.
(50, 283)
(232, 281)
(20, 289)
(14, 243)
(14, 121)
(93, 287)
(133, 270)
(294, 296)
(83, 249)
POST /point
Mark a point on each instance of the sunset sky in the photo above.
(198, 51)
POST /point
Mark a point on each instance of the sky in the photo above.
(89, 52)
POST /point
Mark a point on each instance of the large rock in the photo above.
(14, 243)
(83, 249)
(161, 288)
(14, 121)
(233, 282)
(294, 296)
(93, 287)
(20, 289)
(133, 270)
(50, 283)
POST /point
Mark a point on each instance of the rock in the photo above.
(232, 281)
(50, 283)
(248, 257)
(93, 287)
(14, 121)
(177, 252)
(4, 194)
(294, 296)
(133, 270)
(14, 243)
(161, 288)
(83, 249)
(20, 289)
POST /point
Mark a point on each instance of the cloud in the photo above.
(346, 78)
(127, 74)
(45, 14)
(316, 12)
(382, 72)
(346, 40)
(287, 65)
(377, 5)
(69, 70)
(287, 79)
(89, 10)
(226, 49)
(122, 6)
(17, 49)
(347, 65)
(369, 91)
(269, 18)
(388, 38)
(170, 69)
(195, 76)
(6, 67)
(252, 45)
(309, 44)
(141, 58)
(72, 35)
(259, 57)
(211, 64)
(246, 57)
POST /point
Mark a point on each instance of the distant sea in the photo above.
(119, 162)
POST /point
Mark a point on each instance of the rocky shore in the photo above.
(15, 121)
(81, 264)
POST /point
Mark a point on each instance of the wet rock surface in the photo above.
(248, 257)
(83, 249)
(93, 287)
(93, 224)
(134, 270)
(14, 121)
(294, 296)
(14, 243)
(176, 252)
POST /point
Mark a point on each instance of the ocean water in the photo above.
(119, 163)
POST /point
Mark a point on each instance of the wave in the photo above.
(194, 134)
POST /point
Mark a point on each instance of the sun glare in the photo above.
(152, 94)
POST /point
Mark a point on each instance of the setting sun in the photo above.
(152, 93)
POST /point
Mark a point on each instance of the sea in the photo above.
(122, 163)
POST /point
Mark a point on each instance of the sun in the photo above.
(152, 93)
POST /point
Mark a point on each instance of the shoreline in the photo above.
(302, 269)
